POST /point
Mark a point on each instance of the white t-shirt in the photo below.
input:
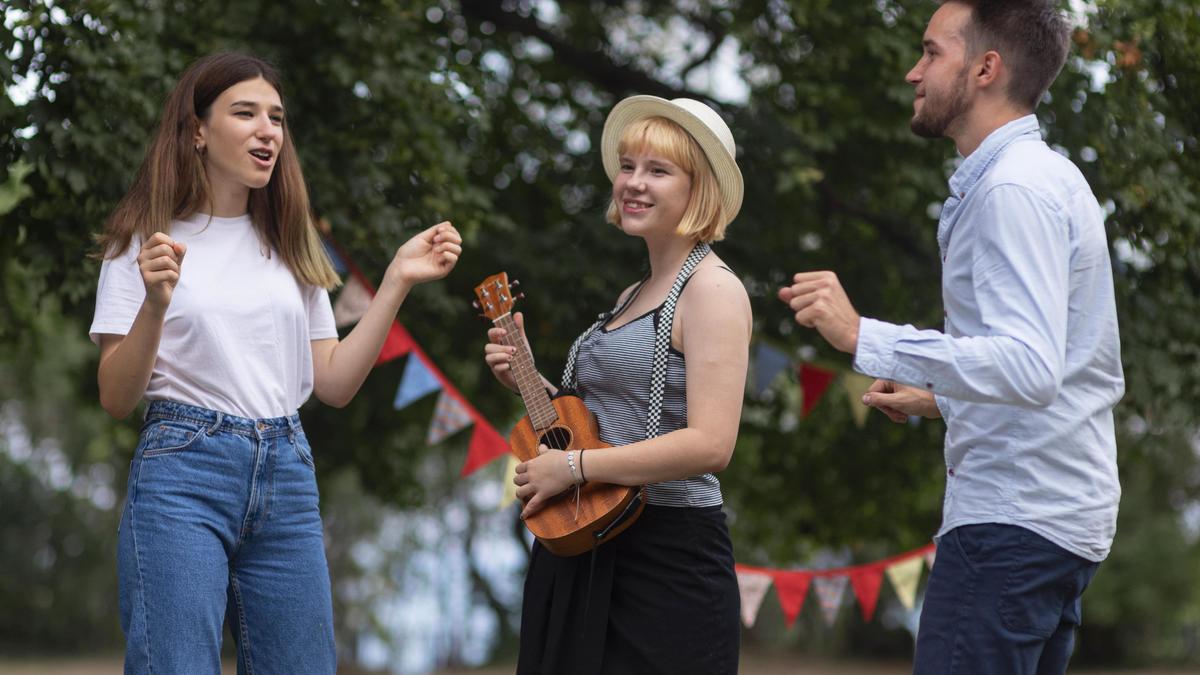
(236, 334)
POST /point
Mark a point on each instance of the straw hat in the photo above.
(699, 120)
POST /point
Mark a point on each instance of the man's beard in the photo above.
(933, 120)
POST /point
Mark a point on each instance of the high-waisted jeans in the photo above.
(221, 523)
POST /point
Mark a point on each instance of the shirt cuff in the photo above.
(875, 355)
(943, 406)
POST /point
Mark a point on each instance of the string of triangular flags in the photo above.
(421, 377)
(814, 380)
(791, 586)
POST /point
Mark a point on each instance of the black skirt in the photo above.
(661, 597)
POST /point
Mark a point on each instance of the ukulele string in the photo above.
(561, 442)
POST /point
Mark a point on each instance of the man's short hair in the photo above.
(1031, 36)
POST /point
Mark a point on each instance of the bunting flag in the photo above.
(449, 417)
(930, 555)
(352, 302)
(813, 383)
(830, 590)
(791, 587)
(486, 444)
(904, 577)
(335, 258)
(510, 489)
(454, 411)
(416, 382)
(856, 385)
(397, 343)
(768, 362)
(866, 582)
(753, 588)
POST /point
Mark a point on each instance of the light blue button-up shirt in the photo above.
(1028, 369)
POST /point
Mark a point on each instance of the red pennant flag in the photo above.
(791, 587)
(398, 343)
(866, 581)
(813, 382)
(486, 444)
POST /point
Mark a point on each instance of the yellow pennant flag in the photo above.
(510, 489)
(856, 385)
(905, 575)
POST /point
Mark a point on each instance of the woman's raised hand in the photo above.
(160, 261)
(428, 256)
(499, 355)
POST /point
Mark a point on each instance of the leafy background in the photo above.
(489, 113)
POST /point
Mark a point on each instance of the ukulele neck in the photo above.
(529, 382)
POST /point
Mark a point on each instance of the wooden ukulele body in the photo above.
(564, 527)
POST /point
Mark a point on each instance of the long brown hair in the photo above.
(172, 184)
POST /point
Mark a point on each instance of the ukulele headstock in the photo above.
(494, 296)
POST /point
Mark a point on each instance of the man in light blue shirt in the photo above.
(1027, 370)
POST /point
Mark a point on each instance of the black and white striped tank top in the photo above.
(613, 376)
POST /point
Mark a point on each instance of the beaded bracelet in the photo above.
(571, 466)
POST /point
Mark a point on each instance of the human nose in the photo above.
(637, 181)
(914, 76)
(266, 128)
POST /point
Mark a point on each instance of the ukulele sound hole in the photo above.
(557, 438)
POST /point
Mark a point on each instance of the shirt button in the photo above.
(929, 385)
(951, 472)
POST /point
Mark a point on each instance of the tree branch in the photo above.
(597, 66)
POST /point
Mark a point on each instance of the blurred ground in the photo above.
(751, 665)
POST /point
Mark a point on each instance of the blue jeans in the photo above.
(221, 521)
(1001, 600)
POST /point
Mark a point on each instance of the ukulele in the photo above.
(598, 511)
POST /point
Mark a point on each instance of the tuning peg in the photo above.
(475, 304)
(514, 283)
(520, 296)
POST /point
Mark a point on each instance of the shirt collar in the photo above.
(977, 163)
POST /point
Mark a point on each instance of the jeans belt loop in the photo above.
(212, 428)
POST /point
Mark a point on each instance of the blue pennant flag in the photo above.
(417, 382)
(339, 265)
(768, 361)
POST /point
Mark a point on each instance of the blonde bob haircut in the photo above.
(702, 220)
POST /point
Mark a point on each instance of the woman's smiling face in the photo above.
(651, 193)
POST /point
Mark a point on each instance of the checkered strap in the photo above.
(662, 338)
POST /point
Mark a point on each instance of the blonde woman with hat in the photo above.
(664, 373)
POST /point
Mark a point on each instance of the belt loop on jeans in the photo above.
(291, 429)
(212, 428)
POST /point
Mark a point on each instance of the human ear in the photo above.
(198, 140)
(988, 69)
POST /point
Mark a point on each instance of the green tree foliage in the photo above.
(489, 113)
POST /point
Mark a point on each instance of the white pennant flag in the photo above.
(905, 576)
(351, 303)
(753, 587)
(510, 488)
(829, 593)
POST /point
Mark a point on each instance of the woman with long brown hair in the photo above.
(212, 305)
